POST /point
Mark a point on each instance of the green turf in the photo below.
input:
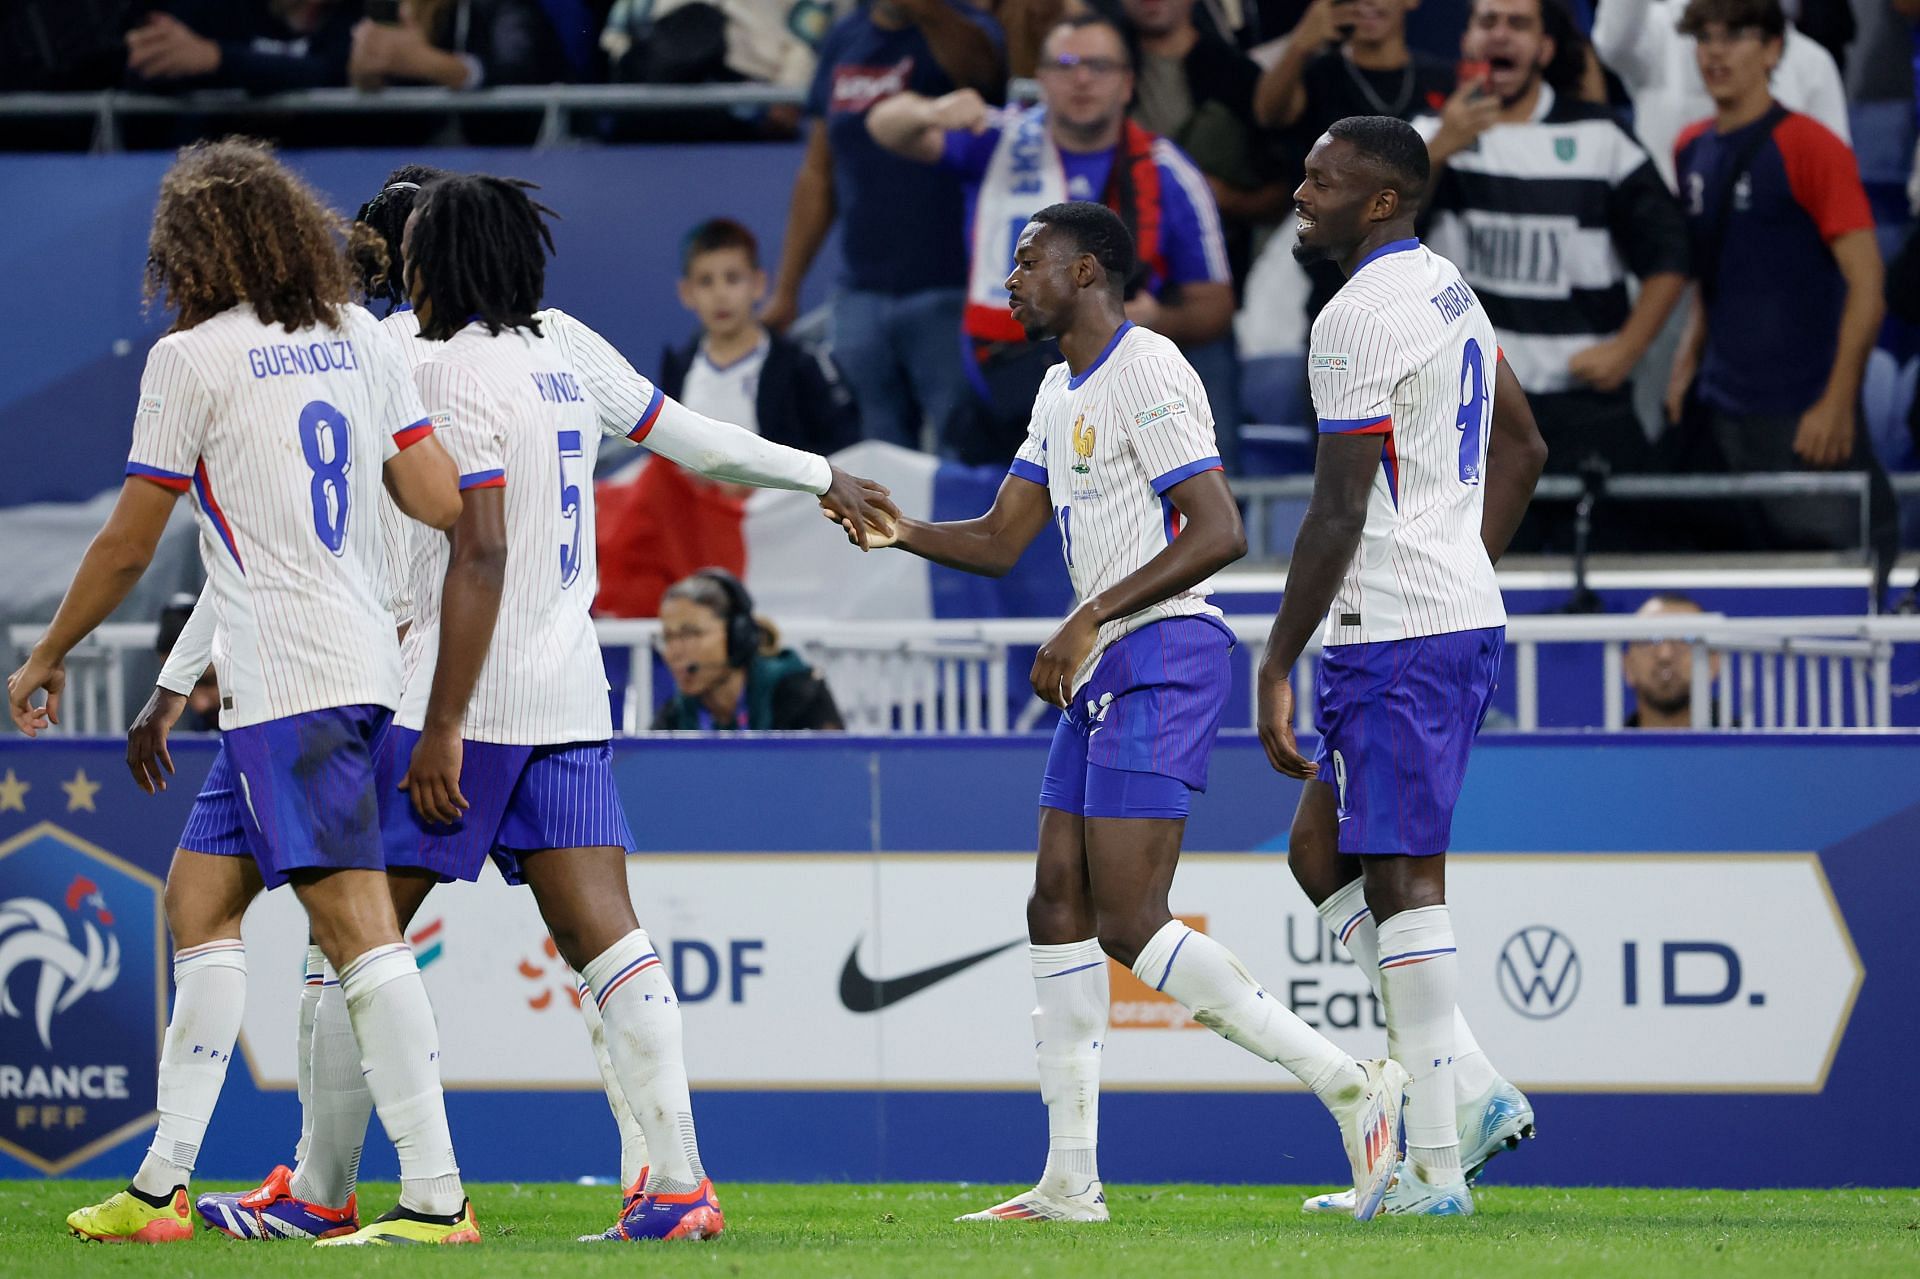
(905, 1230)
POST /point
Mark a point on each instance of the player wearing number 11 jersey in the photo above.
(1422, 473)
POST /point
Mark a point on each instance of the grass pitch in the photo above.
(1157, 1231)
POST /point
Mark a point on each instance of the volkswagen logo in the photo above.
(1539, 972)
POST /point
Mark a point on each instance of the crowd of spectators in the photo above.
(1656, 200)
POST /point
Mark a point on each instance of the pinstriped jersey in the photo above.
(1107, 445)
(402, 535)
(1405, 352)
(526, 412)
(282, 436)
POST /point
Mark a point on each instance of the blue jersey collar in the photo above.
(1074, 381)
(1397, 246)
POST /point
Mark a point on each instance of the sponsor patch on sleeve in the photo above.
(152, 403)
(1331, 362)
(441, 419)
(1147, 417)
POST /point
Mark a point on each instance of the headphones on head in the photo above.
(743, 633)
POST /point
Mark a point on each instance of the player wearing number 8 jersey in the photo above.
(1428, 455)
(282, 409)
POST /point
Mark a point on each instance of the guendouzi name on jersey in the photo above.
(1107, 445)
(526, 412)
(281, 437)
(1405, 352)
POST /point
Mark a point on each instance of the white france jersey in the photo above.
(1405, 352)
(1107, 445)
(282, 438)
(527, 412)
(403, 536)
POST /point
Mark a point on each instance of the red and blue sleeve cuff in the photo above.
(1162, 483)
(1029, 471)
(483, 480)
(1381, 425)
(649, 417)
(408, 436)
(171, 480)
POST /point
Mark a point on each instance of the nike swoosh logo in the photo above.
(863, 994)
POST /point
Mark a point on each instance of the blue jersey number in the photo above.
(571, 456)
(1063, 516)
(1471, 421)
(328, 461)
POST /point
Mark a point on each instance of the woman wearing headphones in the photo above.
(728, 666)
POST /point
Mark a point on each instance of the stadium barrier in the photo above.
(1683, 946)
(953, 677)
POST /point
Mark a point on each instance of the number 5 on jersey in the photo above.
(572, 458)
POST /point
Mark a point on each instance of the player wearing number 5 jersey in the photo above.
(1428, 455)
(504, 724)
(282, 409)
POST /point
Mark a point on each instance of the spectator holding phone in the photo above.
(1347, 57)
(1548, 205)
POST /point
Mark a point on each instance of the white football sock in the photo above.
(303, 1048)
(1069, 1029)
(1222, 996)
(400, 1054)
(328, 1172)
(1420, 974)
(642, 1019)
(210, 997)
(1350, 921)
(633, 1138)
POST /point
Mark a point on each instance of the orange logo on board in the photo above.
(1137, 1006)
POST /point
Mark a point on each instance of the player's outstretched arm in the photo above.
(723, 451)
(425, 483)
(119, 554)
(1211, 537)
(988, 545)
(1516, 454)
(469, 607)
(1343, 471)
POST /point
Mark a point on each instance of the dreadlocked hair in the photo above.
(383, 271)
(480, 248)
(236, 226)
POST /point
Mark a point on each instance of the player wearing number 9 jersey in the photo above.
(1428, 455)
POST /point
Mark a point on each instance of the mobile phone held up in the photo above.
(1474, 71)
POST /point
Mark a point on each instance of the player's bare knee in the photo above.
(1124, 938)
(206, 897)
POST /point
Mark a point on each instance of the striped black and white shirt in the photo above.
(1546, 220)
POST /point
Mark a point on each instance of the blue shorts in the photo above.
(524, 799)
(1397, 719)
(298, 793)
(1140, 732)
(217, 823)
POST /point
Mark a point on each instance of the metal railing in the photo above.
(1261, 494)
(952, 677)
(555, 104)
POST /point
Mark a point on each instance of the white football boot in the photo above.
(1488, 1125)
(1049, 1203)
(1411, 1195)
(1373, 1130)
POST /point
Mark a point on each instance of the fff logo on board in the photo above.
(82, 998)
